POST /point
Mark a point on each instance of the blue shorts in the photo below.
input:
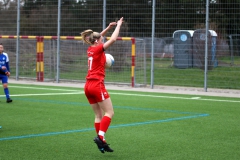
(4, 78)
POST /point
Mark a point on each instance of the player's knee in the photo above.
(110, 114)
(99, 116)
(5, 85)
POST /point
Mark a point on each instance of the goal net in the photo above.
(129, 67)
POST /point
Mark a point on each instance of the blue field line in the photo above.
(52, 102)
(87, 105)
(153, 109)
(48, 88)
(80, 104)
(114, 126)
(46, 134)
(160, 121)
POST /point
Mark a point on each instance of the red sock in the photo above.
(105, 123)
(97, 126)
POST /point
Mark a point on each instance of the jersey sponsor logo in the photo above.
(91, 53)
(2, 62)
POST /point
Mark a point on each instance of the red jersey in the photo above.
(96, 62)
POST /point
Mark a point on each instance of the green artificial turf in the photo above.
(57, 123)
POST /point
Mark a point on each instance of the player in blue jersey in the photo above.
(4, 72)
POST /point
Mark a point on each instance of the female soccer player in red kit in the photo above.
(95, 90)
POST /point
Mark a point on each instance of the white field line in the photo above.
(191, 98)
(125, 94)
(196, 97)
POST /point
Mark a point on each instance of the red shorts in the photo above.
(95, 91)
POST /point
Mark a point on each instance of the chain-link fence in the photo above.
(175, 62)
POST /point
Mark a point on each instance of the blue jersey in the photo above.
(4, 60)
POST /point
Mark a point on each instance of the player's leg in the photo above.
(98, 116)
(107, 107)
(99, 121)
(105, 103)
(96, 109)
(96, 92)
(6, 90)
(0, 79)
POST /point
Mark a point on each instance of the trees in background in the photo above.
(39, 17)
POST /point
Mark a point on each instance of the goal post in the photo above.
(133, 54)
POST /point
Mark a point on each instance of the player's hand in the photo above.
(3, 68)
(7, 73)
(112, 24)
(120, 21)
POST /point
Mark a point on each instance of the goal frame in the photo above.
(40, 51)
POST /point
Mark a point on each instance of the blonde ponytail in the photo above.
(89, 37)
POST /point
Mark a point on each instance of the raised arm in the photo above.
(114, 35)
(109, 27)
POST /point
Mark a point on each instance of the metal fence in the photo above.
(171, 66)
